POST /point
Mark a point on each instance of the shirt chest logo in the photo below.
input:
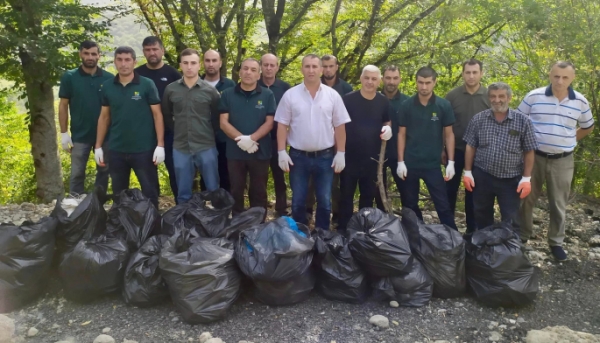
(136, 96)
(434, 117)
(259, 105)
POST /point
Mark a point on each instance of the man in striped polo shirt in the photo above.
(560, 117)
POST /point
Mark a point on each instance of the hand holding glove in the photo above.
(66, 142)
(386, 133)
(284, 160)
(449, 171)
(339, 162)
(159, 155)
(524, 186)
(245, 142)
(468, 181)
(401, 170)
(99, 157)
(253, 148)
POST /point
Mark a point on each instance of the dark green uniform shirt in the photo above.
(391, 149)
(465, 107)
(131, 120)
(223, 84)
(85, 101)
(340, 86)
(424, 130)
(188, 113)
(278, 88)
(248, 112)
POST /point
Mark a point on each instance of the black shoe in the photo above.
(524, 241)
(558, 253)
(334, 218)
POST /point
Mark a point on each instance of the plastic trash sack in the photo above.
(339, 277)
(282, 293)
(498, 271)
(378, 242)
(144, 286)
(202, 276)
(245, 220)
(441, 250)
(274, 251)
(133, 217)
(93, 268)
(87, 220)
(25, 260)
(412, 288)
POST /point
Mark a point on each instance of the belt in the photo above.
(553, 156)
(313, 153)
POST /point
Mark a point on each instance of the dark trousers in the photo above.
(239, 170)
(169, 137)
(453, 186)
(362, 172)
(120, 168)
(392, 164)
(279, 182)
(224, 181)
(437, 190)
(487, 189)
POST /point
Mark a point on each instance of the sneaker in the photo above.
(558, 253)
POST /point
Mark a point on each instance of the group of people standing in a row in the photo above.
(232, 133)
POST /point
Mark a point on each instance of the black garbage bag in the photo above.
(498, 272)
(245, 220)
(144, 286)
(378, 242)
(339, 277)
(275, 251)
(441, 249)
(284, 293)
(25, 260)
(214, 216)
(94, 268)
(133, 217)
(412, 288)
(87, 220)
(202, 276)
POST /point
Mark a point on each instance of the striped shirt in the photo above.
(555, 122)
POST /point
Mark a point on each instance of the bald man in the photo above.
(270, 66)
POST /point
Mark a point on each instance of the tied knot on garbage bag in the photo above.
(498, 271)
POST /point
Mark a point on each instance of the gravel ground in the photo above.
(569, 296)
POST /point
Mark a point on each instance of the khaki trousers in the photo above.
(557, 174)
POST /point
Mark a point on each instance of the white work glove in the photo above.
(65, 141)
(468, 180)
(339, 162)
(159, 155)
(253, 148)
(386, 133)
(284, 160)
(245, 142)
(450, 171)
(401, 170)
(99, 156)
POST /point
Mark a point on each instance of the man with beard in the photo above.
(80, 96)
(269, 65)
(391, 81)
(188, 107)
(212, 69)
(466, 100)
(370, 113)
(499, 158)
(247, 112)
(162, 75)
(131, 115)
(425, 123)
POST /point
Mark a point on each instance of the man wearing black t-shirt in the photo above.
(162, 75)
(368, 111)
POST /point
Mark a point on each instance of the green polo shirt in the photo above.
(391, 149)
(424, 130)
(248, 112)
(223, 84)
(131, 121)
(465, 107)
(85, 101)
(340, 86)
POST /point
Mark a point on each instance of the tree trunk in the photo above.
(42, 131)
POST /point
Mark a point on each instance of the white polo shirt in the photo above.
(555, 122)
(311, 121)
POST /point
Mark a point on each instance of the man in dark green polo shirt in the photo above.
(467, 100)
(212, 74)
(269, 65)
(425, 121)
(80, 96)
(187, 106)
(131, 115)
(391, 81)
(247, 112)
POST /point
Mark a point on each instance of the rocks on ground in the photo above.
(380, 321)
(104, 339)
(7, 329)
(560, 334)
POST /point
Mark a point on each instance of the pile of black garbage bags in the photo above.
(202, 259)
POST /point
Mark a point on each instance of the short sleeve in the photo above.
(152, 94)
(448, 118)
(528, 141)
(104, 94)
(271, 105)
(471, 136)
(525, 106)
(586, 119)
(65, 91)
(224, 102)
(340, 114)
(283, 114)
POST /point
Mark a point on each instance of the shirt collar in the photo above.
(480, 91)
(83, 73)
(571, 92)
(277, 83)
(337, 80)
(511, 114)
(136, 78)
(221, 81)
(198, 82)
(430, 102)
(258, 89)
(395, 97)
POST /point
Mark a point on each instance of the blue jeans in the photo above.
(453, 186)
(169, 137)
(185, 169)
(121, 165)
(79, 159)
(487, 189)
(319, 169)
(437, 190)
